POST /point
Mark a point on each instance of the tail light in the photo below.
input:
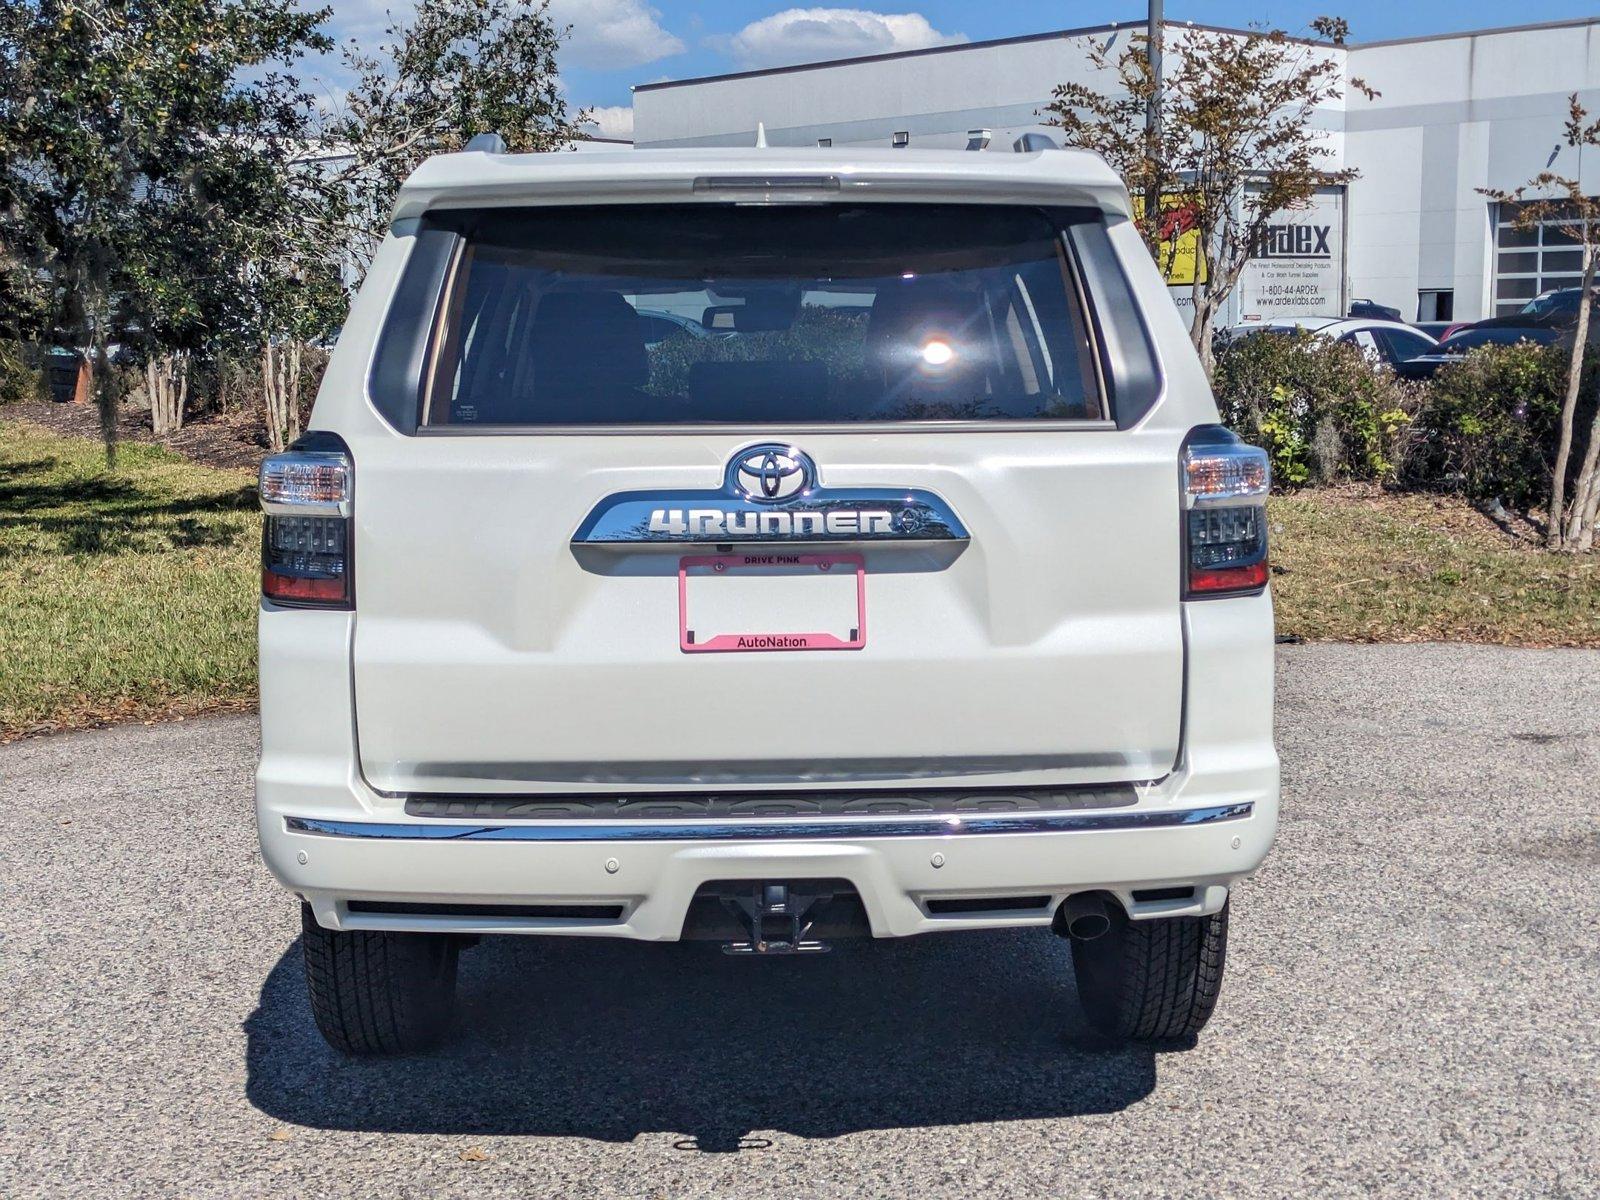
(305, 540)
(1225, 485)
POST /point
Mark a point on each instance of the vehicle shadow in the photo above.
(608, 1040)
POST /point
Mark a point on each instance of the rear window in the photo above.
(1501, 335)
(780, 314)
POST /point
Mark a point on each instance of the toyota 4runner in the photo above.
(763, 546)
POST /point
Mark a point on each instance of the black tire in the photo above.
(378, 993)
(1154, 980)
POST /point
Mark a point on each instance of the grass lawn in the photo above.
(1368, 566)
(125, 594)
(130, 593)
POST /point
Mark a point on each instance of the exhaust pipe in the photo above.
(1083, 917)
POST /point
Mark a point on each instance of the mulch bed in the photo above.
(233, 439)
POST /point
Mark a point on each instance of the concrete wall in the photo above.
(935, 95)
(1456, 114)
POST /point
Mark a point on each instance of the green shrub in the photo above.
(20, 376)
(1489, 424)
(1320, 409)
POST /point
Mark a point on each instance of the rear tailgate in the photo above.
(493, 655)
(897, 349)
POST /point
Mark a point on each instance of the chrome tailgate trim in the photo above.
(768, 830)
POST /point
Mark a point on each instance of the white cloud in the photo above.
(610, 121)
(609, 34)
(811, 34)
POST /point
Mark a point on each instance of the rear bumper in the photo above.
(328, 837)
(651, 872)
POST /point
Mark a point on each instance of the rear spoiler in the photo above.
(480, 179)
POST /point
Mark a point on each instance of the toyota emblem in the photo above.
(773, 473)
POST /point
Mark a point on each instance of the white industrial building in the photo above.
(1454, 113)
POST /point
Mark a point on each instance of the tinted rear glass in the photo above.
(1503, 335)
(1406, 346)
(786, 314)
(1552, 304)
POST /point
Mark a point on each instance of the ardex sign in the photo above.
(1296, 266)
(1293, 240)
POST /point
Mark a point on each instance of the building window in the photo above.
(1436, 304)
(1529, 262)
(824, 142)
(900, 140)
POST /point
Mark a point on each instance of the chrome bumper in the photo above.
(767, 829)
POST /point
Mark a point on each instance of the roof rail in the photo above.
(1029, 142)
(489, 143)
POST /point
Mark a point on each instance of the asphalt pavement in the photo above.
(1412, 1005)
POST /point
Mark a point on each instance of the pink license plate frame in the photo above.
(770, 640)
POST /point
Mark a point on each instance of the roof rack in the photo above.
(1029, 142)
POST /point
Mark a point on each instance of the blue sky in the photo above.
(617, 43)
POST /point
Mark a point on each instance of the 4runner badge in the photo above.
(771, 493)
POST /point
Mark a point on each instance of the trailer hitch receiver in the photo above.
(776, 918)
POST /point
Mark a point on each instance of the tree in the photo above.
(295, 283)
(124, 125)
(458, 68)
(24, 307)
(22, 293)
(1235, 142)
(1577, 216)
(184, 303)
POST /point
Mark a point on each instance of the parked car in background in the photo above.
(1557, 308)
(1438, 330)
(1453, 349)
(1371, 310)
(1385, 343)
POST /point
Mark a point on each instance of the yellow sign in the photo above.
(1179, 256)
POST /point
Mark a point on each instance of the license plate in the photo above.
(753, 602)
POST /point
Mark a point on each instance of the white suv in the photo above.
(916, 589)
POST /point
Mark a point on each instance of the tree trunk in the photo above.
(280, 385)
(105, 396)
(292, 432)
(1586, 489)
(1586, 495)
(1555, 528)
(1591, 510)
(1579, 534)
(167, 380)
(1204, 314)
(91, 325)
(272, 408)
(1208, 301)
(1200, 332)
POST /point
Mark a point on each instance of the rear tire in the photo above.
(378, 992)
(1152, 980)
